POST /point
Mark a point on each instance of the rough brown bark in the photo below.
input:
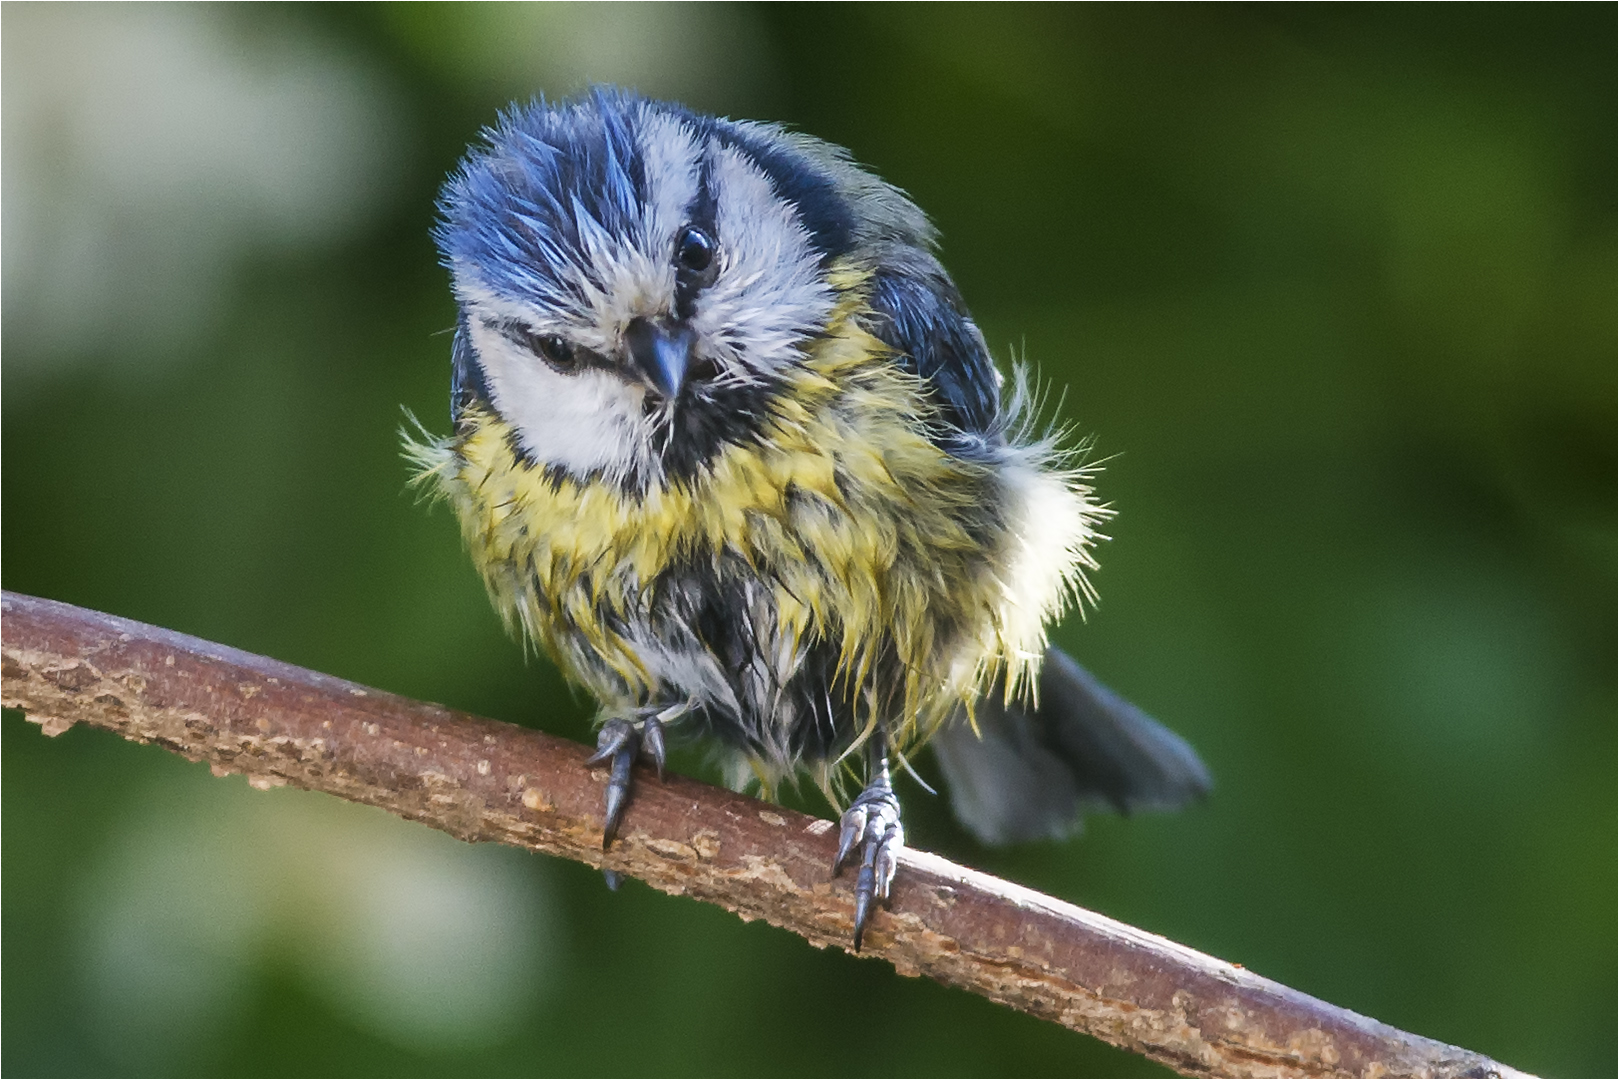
(482, 780)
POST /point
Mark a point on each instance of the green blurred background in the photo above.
(1335, 286)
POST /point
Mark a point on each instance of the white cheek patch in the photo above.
(768, 295)
(585, 423)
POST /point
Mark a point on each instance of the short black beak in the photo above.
(661, 353)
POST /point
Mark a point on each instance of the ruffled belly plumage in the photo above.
(837, 574)
(758, 644)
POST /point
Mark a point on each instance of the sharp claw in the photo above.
(862, 904)
(613, 878)
(885, 864)
(652, 744)
(854, 827)
(615, 811)
(610, 740)
(618, 791)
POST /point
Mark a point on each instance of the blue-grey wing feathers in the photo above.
(467, 386)
(919, 314)
(1028, 774)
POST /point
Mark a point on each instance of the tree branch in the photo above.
(482, 780)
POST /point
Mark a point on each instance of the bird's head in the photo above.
(636, 281)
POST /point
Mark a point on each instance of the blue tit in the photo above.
(729, 448)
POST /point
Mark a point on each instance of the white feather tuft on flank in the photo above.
(1052, 522)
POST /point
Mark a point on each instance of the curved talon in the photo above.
(612, 737)
(854, 827)
(862, 904)
(652, 745)
(618, 791)
(886, 862)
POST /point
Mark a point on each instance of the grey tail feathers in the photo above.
(1033, 772)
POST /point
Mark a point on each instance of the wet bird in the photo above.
(728, 446)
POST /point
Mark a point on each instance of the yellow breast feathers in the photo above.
(866, 533)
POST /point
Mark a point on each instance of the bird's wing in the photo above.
(467, 385)
(1028, 774)
(917, 312)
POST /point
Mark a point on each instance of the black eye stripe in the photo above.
(700, 217)
(697, 264)
(558, 352)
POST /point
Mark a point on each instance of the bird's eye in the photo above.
(555, 351)
(558, 353)
(695, 249)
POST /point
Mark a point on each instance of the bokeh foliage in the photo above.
(1333, 286)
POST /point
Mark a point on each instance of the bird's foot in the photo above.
(619, 743)
(872, 826)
